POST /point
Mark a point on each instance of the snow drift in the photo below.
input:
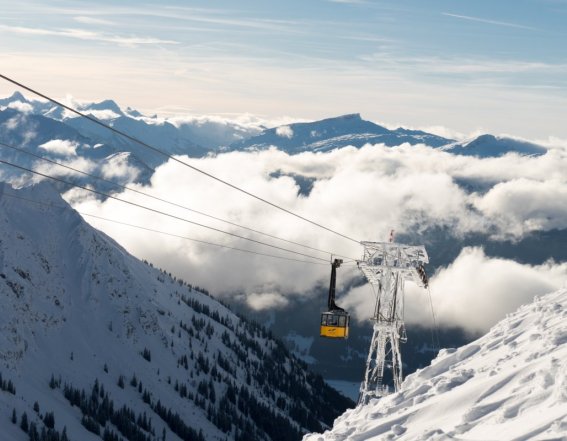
(510, 384)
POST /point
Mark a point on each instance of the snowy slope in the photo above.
(510, 384)
(79, 313)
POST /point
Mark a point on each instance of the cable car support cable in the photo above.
(50, 205)
(173, 158)
(100, 178)
(159, 211)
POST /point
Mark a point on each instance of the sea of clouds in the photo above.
(362, 193)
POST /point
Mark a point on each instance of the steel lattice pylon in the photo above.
(387, 266)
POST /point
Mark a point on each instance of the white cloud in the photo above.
(60, 147)
(359, 302)
(270, 300)
(362, 193)
(473, 293)
(28, 133)
(449, 133)
(12, 123)
(82, 34)
(488, 21)
(117, 166)
(93, 20)
(522, 206)
(21, 107)
(552, 142)
(284, 132)
(477, 291)
(78, 195)
(103, 115)
(75, 162)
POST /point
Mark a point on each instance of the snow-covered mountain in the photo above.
(94, 341)
(332, 133)
(489, 146)
(53, 132)
(194, 136)
(32, 123)
(510, 384)
(47, 138)
(352, 130)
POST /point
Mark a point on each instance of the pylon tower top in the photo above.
(381, 257)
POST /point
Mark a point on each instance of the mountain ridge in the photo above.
(336, 132)
(487, 145)
(79, 311)
(199, 137)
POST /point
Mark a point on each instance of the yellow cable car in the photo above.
(334, 322)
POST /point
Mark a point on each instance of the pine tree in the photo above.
(49, 420)
(33, 433)
(14, 416)
(24, 422)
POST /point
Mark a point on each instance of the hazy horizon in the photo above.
(468, 68)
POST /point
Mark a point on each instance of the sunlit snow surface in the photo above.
(510, 384)
(75, 305)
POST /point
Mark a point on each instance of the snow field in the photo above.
(510, 384)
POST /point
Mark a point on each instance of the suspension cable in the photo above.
(51, 205)
(435, 330)
(173, 158)
(100, 178)
(159, 211)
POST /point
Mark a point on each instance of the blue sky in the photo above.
(498, 66)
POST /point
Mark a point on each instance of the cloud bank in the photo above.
(472, 293)
(362, 193)
(476, 291)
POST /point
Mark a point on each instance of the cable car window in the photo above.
(342, 321)
(324, 320)
(333, 320)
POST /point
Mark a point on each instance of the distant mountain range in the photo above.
(31, 122)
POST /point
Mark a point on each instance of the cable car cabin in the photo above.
(334, 324)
